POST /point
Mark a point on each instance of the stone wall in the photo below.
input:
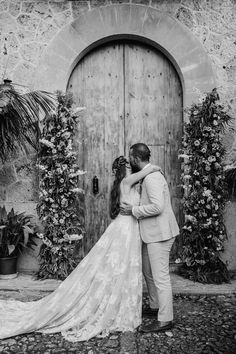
(27, 28)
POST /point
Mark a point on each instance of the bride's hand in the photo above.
(156, 168)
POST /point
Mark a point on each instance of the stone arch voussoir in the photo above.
(128, 21)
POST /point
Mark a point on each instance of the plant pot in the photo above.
(8, 267)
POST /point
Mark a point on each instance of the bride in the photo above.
(103, 294)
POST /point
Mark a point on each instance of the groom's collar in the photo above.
(147, 165)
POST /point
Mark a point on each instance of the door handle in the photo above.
(95, 185)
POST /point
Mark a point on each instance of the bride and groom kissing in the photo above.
(103, 294)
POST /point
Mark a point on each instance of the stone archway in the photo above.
(129, 21)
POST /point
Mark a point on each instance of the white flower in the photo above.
(178, 260)
(190, 218)
(73, 237)
(78, 110)
(207, 193)
(77, 190)
(77, 173)
(46, 142)
(187, 176)
(184, 156)
(66, 135)
(41, 167)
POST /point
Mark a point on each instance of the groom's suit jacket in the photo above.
(156, 218)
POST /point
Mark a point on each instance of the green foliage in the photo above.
(19, 114)
(60, 206)
(16, 232)
(205, 194)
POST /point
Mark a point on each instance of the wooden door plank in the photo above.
(97, 84)
(153, 105)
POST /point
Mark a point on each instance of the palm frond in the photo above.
(230, 176)
(19, 119)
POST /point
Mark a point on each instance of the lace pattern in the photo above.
(103, 294)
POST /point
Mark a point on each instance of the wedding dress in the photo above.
(103, 294)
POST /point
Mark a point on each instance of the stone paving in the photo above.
(205, 322)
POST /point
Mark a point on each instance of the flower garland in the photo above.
(60, 199)
(205, 195)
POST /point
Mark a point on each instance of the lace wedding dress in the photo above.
(103, 293)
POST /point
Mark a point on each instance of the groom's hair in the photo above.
(141, 150)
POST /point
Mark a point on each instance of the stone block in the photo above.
(75, 42)
(140, 2)
(62, 19)
(25, 35)
(28, 22)
(20, 191)
(2, 194)
(78, 8)
(87, 24)
(24, 72)
(61, 48)
(14, 8)
(45, 78)
(98, 3)
(195, 5)
(120, 1)
(185, 16)
(169, 7)
(7, 23)
(31, 51)
(37, 8)
(60, 6)
(7, 175)
(4, 5)
(46, 31)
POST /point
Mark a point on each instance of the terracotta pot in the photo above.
(8, 267)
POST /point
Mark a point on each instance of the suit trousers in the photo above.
(155, 259)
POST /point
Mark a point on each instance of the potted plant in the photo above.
(17, 232)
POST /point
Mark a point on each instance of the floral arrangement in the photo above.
(60, 205)
(205, 192)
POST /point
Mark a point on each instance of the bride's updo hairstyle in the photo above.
(119, 170)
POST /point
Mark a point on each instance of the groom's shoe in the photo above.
(157, 326)
(149, 312)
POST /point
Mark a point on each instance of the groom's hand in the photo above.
(126, 209)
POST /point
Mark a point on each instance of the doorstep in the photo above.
(180, 285)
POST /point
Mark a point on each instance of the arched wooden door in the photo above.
(132, 94)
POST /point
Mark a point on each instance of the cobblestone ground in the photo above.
(203, 324)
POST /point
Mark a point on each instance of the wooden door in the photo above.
(132, 94)
(153, 106)
(97, 83)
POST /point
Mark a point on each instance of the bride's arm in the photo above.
(135, 177)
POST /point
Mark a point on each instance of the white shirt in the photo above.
(147, 165)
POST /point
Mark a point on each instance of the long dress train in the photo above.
(103, 294)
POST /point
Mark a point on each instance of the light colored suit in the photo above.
(158, 229)
(156, 218)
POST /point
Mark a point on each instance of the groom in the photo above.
(158, 228)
